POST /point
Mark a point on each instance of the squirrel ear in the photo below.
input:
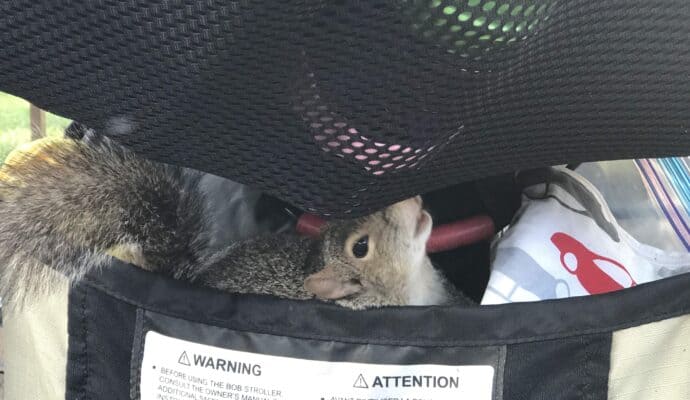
(326, 284)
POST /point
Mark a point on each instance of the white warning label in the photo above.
(174, 369)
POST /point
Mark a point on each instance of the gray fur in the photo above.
(94, 197)
(68, 213)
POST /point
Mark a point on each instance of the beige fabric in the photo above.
(651, 362)
(36, 349)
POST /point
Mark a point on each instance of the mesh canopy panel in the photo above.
(342, 107)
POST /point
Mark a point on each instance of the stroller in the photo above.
(340, 108)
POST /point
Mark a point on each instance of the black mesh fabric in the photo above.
(342, 107)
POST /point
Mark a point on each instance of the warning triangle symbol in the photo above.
(361, 383)
(184, 360)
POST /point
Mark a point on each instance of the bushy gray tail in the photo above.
(66, 207)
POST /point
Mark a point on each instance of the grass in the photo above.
(14, 124)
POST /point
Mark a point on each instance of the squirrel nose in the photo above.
(412, 205)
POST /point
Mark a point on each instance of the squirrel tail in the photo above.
(65, 206)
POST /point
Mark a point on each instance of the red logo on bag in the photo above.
(596, 273)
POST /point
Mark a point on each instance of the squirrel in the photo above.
(234, 211)
(68, 209)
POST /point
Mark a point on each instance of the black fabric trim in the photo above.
(315, 349)
(574, 368)
(101, 334)
(77, 365)
(434, 326)
(137, 356)
(499, 377)
(598, 364)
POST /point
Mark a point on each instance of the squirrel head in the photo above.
(378, 260)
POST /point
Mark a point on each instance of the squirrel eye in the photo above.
(361, 247)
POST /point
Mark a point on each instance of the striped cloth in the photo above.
(668, 183)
